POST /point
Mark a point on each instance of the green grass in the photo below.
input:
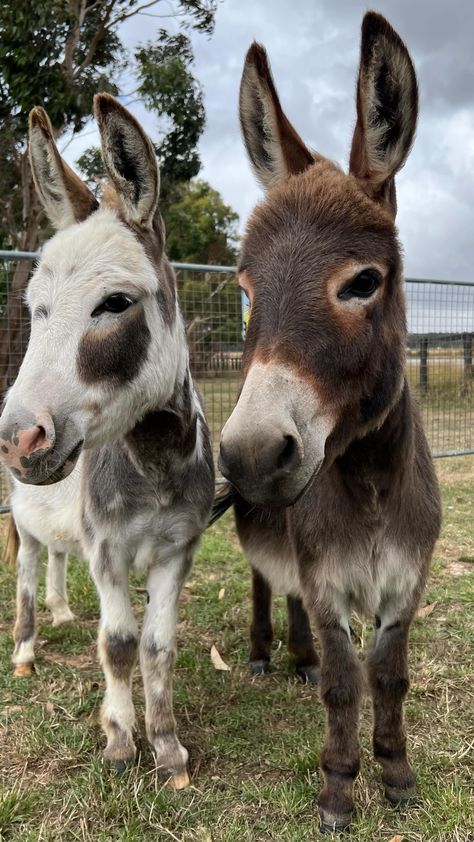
(253, 743)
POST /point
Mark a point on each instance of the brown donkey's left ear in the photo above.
(274, 147)
(129, 158)
(387, 110)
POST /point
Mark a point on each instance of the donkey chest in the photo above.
(51, 514)
(369, 578)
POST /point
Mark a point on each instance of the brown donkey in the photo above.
(325, 442)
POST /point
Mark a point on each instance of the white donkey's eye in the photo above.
(116, 303)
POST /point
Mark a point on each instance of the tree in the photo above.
(200, 228)
(58, 54)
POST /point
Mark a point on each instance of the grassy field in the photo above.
(253, 743)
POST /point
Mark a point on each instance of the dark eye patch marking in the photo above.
(115, 353)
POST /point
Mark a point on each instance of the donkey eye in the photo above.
(362, 286)
(116, 303)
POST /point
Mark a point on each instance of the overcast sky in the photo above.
(313, 47)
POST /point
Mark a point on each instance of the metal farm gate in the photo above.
(439, 352)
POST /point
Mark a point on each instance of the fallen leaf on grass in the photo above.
(221, 593)
(217, 661)
(425, 612)
(396, 839)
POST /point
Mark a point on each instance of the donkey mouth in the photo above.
(60, 471)
(277, 495)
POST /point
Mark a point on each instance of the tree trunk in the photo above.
(15, 320)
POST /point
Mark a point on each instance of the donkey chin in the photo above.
(36, 450)
(273, 444)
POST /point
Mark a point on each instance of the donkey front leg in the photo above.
(118, 647)
(261, 631)
(341, 689)
(56, 587)
(388, 676)
(27, 583)
(300, 642)
(157, 659)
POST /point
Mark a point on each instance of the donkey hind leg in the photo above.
(341, 689)
(118, 648)
(27, 583)
(388, 676)
(300, 642)
(56, 587)
(261, 631)
(157, 659)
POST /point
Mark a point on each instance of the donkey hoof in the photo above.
(121, 765)
(310, 674)
(331, 823)
(62, 618)
(260, 667)
(23, 670)
(399, 797)
(179, 781)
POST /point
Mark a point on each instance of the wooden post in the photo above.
(424, 365)
(467, 348)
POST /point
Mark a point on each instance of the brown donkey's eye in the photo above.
(116, 303)
(362, 286)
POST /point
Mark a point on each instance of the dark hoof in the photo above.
(331, 823)
(120, 766)
(310, 674)
(401, 797)
(261, 667)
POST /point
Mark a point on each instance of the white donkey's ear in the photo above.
(65, 198)
(387, 109)
(129, 158)
(274, 147)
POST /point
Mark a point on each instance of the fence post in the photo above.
(424, 365)
(467, 349)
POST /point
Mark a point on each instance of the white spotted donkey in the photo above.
(103, 431)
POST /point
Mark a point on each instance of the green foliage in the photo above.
(59, 54)
(169, 89)
(200, 228)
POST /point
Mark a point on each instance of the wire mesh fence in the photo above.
(439, 352)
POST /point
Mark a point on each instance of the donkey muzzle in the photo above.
(29, 448)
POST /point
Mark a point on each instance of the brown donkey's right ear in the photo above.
(274, 147)
(387, 110)
(65, 198)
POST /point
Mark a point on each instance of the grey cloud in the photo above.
(313, 47)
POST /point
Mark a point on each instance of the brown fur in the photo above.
(116, 352)
(82, 201)
(12, 543)
(362, 532)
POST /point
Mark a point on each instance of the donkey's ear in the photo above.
(65, 198)
(274, 147)
(387, 109)
(129, 158)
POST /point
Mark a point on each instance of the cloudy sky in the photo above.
(313, 47)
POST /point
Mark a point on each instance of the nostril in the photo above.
(39, 440)
(289, 457)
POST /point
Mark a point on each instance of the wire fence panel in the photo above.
(439, 353)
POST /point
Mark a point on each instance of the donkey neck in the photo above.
(169, 433)
(384, 454)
